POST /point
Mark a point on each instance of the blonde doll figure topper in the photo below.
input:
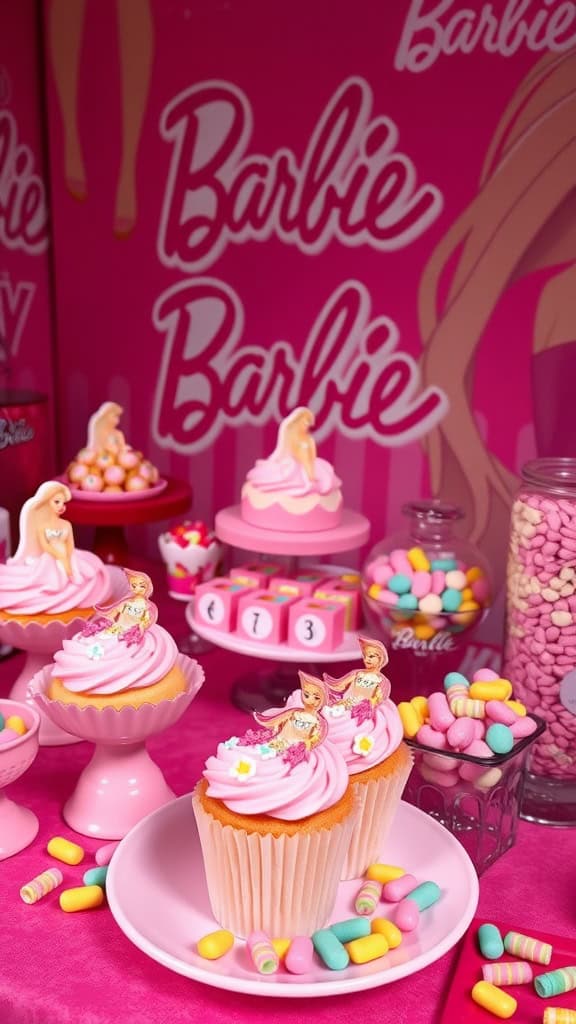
(297, 725)
(103, 433)
(363, 684)
(294, 464)
(130, 616)
(43, 531)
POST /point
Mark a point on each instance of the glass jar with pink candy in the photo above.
(424, 590)
(540, 651)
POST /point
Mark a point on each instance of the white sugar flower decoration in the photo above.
(95, 652)
(336, 710)
(266, 751)
(232, 742)
(363, 744)
(242, 769)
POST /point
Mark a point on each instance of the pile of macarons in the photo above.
(430, 594)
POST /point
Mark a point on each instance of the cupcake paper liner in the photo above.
(376, 805)
(283, 885)
(112, 726)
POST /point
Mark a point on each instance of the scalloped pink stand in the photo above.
(272, 687)
(18, 825)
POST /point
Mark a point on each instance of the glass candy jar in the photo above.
(540, 650)
(424, 590)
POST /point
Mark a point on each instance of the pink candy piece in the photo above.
(421, 584)
(382, 573)
(431, 737)
(388, 598)
(479, 729)
(407, 916)
(400, 563)
(439, 762)
(300, 956)
(523, 727)
(439, 712)
(438, 581)
(479, 749)
(484, 675)
(396, 890)
(446, 780)
(481, 590)
(498, 711)
(461, 733)
(7, 735)
(103, 854)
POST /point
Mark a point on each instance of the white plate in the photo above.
(348, 651)
(157, 894)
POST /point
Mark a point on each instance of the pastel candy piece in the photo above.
(431, 737)
(299, 958)
(382, 573)
(465, 707)
(330, 949)
(499, 738)
(368, 897)
(281, 947)
(385, 597)
(408, 601)
(438, 581)
(418, 559)
(388, 929)
(441, 716)
(425, 895)
(493, 999)
(400, 562)
(407, 915)
(431, 604)
(384, 873)
(17, 724)
(488, 779)
(474, 573)
(446, 780)
(461, 733)
(456, 579)
(516, 706)
(64, 850)
(481, 590)
(7, 735)
(555, 983)
(262, 953)
(478, 748)
(490, 942)
(446, 564)
(498, 711)
(408, 717)
(451, 599)
(352, 928)
(439, 762)
(86, 897)
(368, 948)
(215, 944)
(103, 854)
(95, 876)
(496, 689)
(484, 675)
(522, 727)
(528, 948)
(480, 729)
(516, 972)
(421, 584)
(2, 720)
(399, 583)
(420, 705)
(396, 890)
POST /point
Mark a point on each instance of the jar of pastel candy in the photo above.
(540, 649)
(425, 589)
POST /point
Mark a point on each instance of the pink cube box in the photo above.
(256, 574)
(216, 603)
(348, 594)
(301, 584)
(316, 624)
(264, 616)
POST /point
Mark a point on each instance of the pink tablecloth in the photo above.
(80, 969)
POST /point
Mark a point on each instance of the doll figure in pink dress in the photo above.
(131, 616)
(294, 465)
(298, 724)
(103, 433)
(46, 539)
(362, 684)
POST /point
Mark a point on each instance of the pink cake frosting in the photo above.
(40, 585)
(255, 779)
(105, 664)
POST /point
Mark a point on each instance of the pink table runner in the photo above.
(80, 969)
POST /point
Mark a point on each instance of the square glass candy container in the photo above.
(476, 798)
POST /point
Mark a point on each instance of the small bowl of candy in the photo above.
(19, 728)
(471, 744)
(191, 552)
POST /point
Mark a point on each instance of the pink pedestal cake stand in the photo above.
(18, 825)
(271, 688)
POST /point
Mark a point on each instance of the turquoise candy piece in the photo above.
(425, 895)
(353, 928)
(490, 942)
(95, 876)
(2, 721)
(330, 949)
(399, 583)
(499, 738)
(408, 602)
(451, 599)
(446, 564)
(455, 679)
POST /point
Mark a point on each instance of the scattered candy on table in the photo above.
(528, 948)
(84, 897)
(514, 972)
(493, 999)
(41, 885)
(558, 1015)
(555, 983)
(64, 850)
(103, 854)
(95, 876)
(490, 942)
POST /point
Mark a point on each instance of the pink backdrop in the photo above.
(247, 200)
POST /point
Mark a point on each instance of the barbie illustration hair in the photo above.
(377, 645)
(28, 545)
(518, 221)
(96, 419)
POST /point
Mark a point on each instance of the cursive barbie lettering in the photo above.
(23, 210)
(497, 28)
(14, 432)
(405, 640)
(352, 183)
(348, 371)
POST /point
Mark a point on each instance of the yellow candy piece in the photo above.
(17, 724)
(388, 929)
(384, 873)
(466, 614)
(64, 850)
(494, 999)
(409, 718)
(374, 590)
(351, 577)
(516, 706)
(420, 705)
(369, 947)
(215, 944)
(467, 594)
(418, 560)
(424, 632)
(474, 573)
(281, 947)
(494, 689)
(86, 897)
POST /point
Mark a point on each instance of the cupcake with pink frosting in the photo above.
(293, 489)
(275, 814)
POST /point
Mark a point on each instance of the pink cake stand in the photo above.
(121, 784)
(40, 642)
(18, 825)
(271, 688)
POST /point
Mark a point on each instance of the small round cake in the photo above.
(293, 489)
(121, 658)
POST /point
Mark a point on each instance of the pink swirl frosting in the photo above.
(384, 731)
(102, 664)
(40, 585)
(287, 475)
(275, 787)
